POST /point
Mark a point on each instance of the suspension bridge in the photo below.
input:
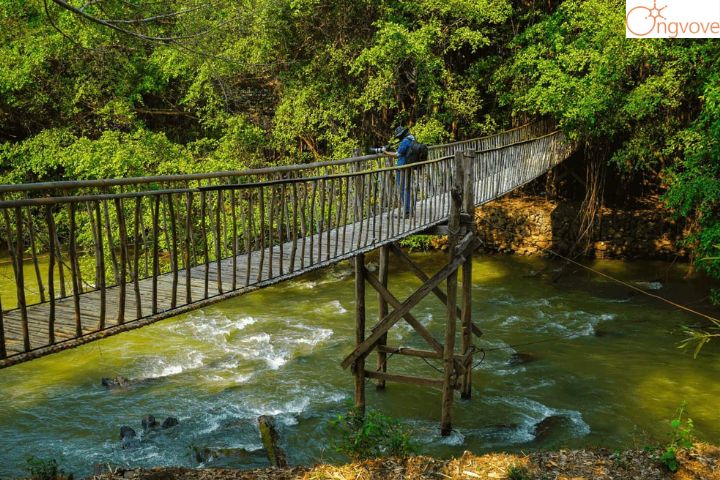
(161, 246)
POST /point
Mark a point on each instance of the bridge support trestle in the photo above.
(456, 366)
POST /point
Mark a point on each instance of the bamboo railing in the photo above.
(94, 258)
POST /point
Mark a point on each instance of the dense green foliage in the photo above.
(518, 472)
(42, 469)
(239, 84)
(279, 80)
(650, 106)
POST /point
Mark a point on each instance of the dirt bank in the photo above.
(701, 463)
(526, 225)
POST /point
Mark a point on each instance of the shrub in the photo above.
(681, 437)
(417, 242)
(518, 472)
(370, 436)
(46, 469)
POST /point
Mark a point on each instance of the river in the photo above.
(607, 364)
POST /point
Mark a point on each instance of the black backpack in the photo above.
(418, 152)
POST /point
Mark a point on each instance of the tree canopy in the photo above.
(105, 88)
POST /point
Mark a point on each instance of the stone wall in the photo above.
(527, 225)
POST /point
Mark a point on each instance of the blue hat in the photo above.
(401, 131)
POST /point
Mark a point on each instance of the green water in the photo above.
(615, 376)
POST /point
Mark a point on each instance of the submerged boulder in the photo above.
(169, 422)
(519, 358)
(116, 382)
(123, 383)
(235, 455)
(149, 423)
(546, 427)
(128, 437)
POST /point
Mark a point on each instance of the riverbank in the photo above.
(700, 463)
(526, 225)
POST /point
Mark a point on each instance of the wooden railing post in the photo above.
(467, 332)
(468, 170)
(122, 234)
(51, 274)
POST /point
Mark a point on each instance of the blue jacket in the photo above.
(403, 148)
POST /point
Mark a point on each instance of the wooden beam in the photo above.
(428, 382)
(467, 346)
(466, 338)
(410, 318)
(437, 230)
(382, 310)
(419, 327)
(359, 362)
(100, 266)
(407, 261)
(449, 351)
(415, 352)
(469, 241)
(362, 350)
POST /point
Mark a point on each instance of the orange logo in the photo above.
(641, 20)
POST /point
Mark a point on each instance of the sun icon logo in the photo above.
(641, 20)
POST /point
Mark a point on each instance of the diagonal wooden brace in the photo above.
(362, 350)
(469, 239)
(419, 327)
(405, 259)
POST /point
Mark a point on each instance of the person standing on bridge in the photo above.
(403, 176)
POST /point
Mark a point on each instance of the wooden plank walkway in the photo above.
(343, 241)
(498, 171)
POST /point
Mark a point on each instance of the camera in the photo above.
(379, 149)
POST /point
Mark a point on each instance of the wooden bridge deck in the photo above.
(343, 244)
(498, 171)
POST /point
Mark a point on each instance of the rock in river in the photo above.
(545, 427)
(128, 437)
(117, 382)
(169, 422)
(233, 455)
(519, 358)
(149, 423)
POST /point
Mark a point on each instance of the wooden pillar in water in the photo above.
(3, 352)
(359, 365)
(450, 328)
(382, 311)
(456, 371)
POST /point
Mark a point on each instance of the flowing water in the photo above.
(606, 365)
